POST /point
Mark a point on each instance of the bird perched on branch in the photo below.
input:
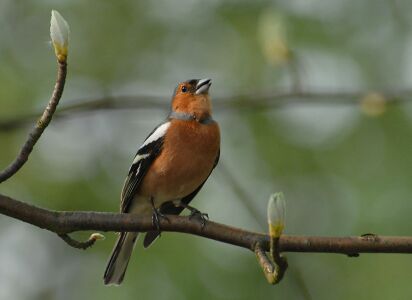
(169, 168)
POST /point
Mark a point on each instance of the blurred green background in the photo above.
(344, 163)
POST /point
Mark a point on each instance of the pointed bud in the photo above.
(276, 214)
(97, 237)
(59, 33)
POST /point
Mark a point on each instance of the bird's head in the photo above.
(192, 97)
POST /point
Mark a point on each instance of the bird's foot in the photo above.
(194, 213)
(156, 216)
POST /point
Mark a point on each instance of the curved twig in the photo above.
(274, 272)
(40, 126)
(78, 244)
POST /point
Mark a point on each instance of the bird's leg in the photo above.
(157, 214)
(194, 212)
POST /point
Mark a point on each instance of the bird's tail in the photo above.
(117, 265)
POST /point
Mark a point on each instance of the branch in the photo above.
(62, 223)
(81, 245)
(40, 126)
(67, 222)
(59, 33)
(254, 101)
(273, 272)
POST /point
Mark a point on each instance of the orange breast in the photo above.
(188, 156)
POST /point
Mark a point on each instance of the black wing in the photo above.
(170, 209)
(145, 156)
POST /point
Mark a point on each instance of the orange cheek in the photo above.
(181, 102)
(200, 104)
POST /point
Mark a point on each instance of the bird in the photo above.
(169, 169)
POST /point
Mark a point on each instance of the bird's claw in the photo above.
(156, 216)
(195, 213)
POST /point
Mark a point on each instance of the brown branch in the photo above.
(265, 263)
(78, 244)
(254, 101)
(40, 126)
(279, 260)
(258, 217)
(62, 223)
(66, 222)
(274, 272)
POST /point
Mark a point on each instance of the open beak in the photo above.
(203, 85)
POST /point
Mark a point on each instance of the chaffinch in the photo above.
(169, 168)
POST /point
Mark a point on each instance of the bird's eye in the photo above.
(184, 89)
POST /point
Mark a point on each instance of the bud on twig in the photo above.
(59, 33)
(276, 214)
(97, 236)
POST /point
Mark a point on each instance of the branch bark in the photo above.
(67, 222)
(78, 244)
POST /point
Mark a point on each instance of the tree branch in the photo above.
(62, 223)
(78, 244)
(273, 272)
(252, 101)
(40, 126)
(66, 222)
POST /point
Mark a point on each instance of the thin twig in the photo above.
(78, 244)
(273, 272)
(281, 263)
(40, 126)
(251, 208)
(265, 263)
(254, 101)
